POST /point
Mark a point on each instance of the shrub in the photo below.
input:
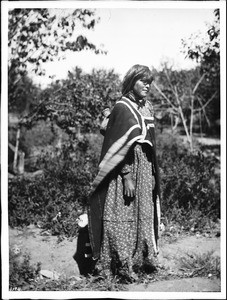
(204, 265)
(21, 273)
(57, 198)
(190, 187)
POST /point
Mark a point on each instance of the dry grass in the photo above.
(203, 265)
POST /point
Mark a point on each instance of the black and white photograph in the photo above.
(113, 132)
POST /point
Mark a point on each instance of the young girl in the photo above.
(124, 209)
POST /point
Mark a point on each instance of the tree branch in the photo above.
(165, 97)
(211, 98)
(198, 83)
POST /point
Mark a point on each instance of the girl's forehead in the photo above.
(146, 79)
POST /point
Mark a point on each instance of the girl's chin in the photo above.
(143, 95)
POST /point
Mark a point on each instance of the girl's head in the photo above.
(134, 74)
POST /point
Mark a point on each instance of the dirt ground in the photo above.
(58, 257)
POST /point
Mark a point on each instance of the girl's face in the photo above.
(141, 88)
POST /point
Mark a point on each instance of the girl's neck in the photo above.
(135, 98)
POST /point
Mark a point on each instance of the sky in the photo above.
(147, 36)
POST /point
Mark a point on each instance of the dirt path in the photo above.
(188, 285)
(170, 253)
(54, 256)
(58, 257)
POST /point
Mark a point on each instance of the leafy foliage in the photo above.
(21, 273)
(37, 36)
(22, 96)
(207, 54)
(63, 189)
(190, 186)
(41, 135)
(77, 102)
(192, 97)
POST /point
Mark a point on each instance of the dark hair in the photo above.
(135, 73)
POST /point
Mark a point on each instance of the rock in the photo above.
(39, 224)
(198, 235)
(207, 235)
(46, 233)
(77, 278)
(16, 249)
(31, 227)
(49, 274)
(162, 227)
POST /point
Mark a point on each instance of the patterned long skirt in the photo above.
(130, 226)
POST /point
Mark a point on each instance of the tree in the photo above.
(77, 101)
(182, 92)
(206, 51)
(35, 37)
(26, 93)
(194, 95)
(74, 104)
(40, 35)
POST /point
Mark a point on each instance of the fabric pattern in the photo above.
(130, 225)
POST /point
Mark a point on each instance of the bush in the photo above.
(57, 198)
(21, 273)
(201, 265)
(190, 187)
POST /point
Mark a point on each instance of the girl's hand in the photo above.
(129, 188)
